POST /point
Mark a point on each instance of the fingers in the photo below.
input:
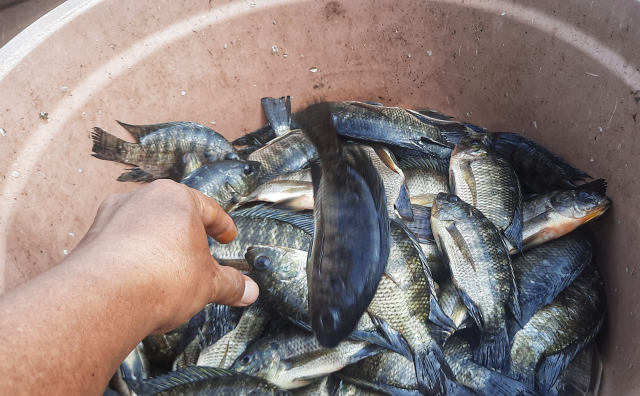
(216, 221)
(230, 287)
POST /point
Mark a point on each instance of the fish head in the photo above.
(245, 176)
(449, 207)
(275, 262)
(262, 361)
(470, 148)
(580, 204)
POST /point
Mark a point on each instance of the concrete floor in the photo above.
(17, 15)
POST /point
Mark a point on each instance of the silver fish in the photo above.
(287, 153)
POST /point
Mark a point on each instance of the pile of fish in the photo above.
(398, 252)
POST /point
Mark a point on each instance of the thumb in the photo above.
(230, 287)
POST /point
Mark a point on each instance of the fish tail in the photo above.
(553, 365)
(278, 112)
(136, 175)
(493, 350)
(496, 384)
(434, 375)
(108, 147)
(403, 203)
(317, 123)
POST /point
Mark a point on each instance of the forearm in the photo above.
(67, 330)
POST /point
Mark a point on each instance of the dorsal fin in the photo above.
(304, 221)
(186, 376)
(140, 131)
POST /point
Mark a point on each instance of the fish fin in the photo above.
(493, 351)
(514, 232)
(403, 204)
(475, 128)
(294, 204)
(497, 384)
(421, 224)
(472, 308)
(367, 351)
(423, 257)
(444, 326)
(432, 163)
(599, 186)
(467, 174)
(373, 103)
(458, 239)
(379, 110)
(140, 131)
(304, 221)
(300, 323)
(513, 301)
(185, 376)
(372, 337)
(432, 371)
(397, 341)
(278, 112)
(316, 121)
(136, 175)
(108, 147)
(434, 114)
(256, 139)
(387, 158)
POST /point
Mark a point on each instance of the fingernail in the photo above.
(251, 292)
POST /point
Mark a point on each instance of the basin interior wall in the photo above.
(565, 75)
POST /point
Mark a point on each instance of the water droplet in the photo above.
(503, 14)
(79, 170)
(65, 251)
(274, 22)
(15, 173)
(213, 122)
(313, 69)
(64, 89)
(72, 234)
(225, 46)
(429, 53)
(274, 49)
(3, 132)
(285, 55)
(183, 93)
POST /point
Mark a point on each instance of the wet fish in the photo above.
(211, 381)
(261, 226)
(318, 388)
(291, 357)
(538, 169)
(544, 271)
(159, 148)
(286, 153)
(558, 331)
(136, 365)
(251, 326)
(226, 181)
(481, 269)
(483, 179)
(350, 213)
(278, 113)
(484, 381)
(551, 215)
(424, 180)
(582, 376)
(392, 125)
(405, 299)
(453, 306)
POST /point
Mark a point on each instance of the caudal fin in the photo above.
(493, 351)
(136, 175)
(278, 112)
(434, 375)
(108, 147)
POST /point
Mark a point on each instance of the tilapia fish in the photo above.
(291, 357)
(484, 381)
(423, 180)
(544, 271)
(211, 381)
(483, 179)
(481, 269)
(551, 215)
(558, 331)
(278, 112)
(582, 376)
(251, 326)
(405, 300)
(392, 125)
(351, 234)
(225, 181)
(317, 388)
(261, 226)
(538, 169)
(287, 153)
(160, 148)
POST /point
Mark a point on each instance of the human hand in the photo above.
(158, 235)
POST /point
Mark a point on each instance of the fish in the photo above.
(583, 375)
(420, 225)
(293, 194)
(226, 181)
(252, 325)
(437, 265)
(136, 365)
(481, 269)
(263, 226)
(278, 113)
(405, 300)
(291, 357)
(281, 275)
(558, 331)
(299, 175)
(350, 212)
(538, 169)
(483, 179)
(211, 381)
(160, 147)
(344, 386)
(550, 215)
(286, 153)
(392, 176)
(484, 381)
(391, 125)
(317, 388)
(162, 349)
(188, 357)
(423, 180)
(388, 370)
(544, 271)
(453, 306)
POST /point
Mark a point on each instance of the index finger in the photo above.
(217, 222)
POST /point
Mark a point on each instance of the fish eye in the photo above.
(248, 169)
(452, 198)
(246, 359)
(231, 157)
(262, 263)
